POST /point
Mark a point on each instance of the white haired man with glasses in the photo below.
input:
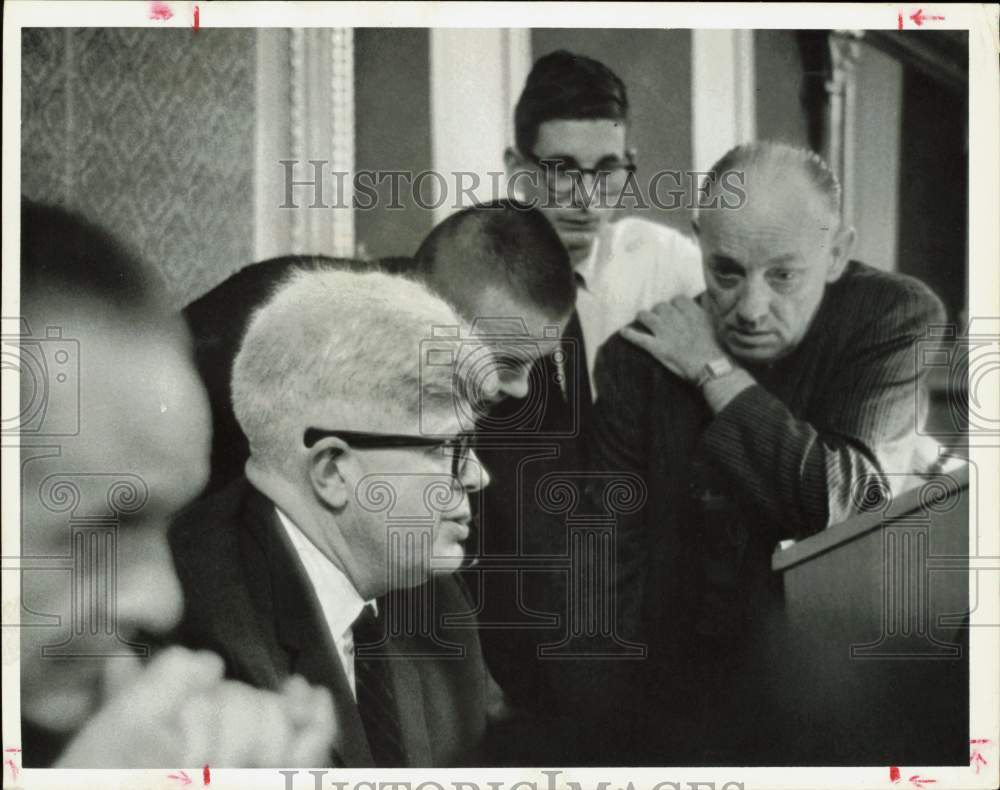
(352, 513)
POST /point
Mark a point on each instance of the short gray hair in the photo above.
(345, 346)
(769, 153)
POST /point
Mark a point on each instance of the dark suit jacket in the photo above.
(247, 597)
(218, 320)
(524, 604)
(782, 460)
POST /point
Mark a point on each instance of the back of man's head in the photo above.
(106, 377)
(562, 85)
(761, 165)
(105, 360)
(69, 261)
(503, 244)
(345, 350)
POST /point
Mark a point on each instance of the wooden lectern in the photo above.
(869, 646)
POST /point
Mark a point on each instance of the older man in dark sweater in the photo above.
(751, 414)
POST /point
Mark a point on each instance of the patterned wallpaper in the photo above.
(151, 133)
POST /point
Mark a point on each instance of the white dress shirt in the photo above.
(633, 264)
(340, 602)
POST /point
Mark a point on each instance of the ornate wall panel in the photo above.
(151, 133)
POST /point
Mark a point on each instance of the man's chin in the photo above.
(756, 356)
(450, 554)
(766, 349)
(449, 562)
(578, 245)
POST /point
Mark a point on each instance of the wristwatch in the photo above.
(715, 369)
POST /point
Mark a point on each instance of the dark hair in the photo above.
(64, 255)
(506, 243)
(564, 85)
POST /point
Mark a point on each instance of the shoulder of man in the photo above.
(621, 364)
(886, 300)
(203, 536)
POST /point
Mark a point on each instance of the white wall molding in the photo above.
(342, 125)
(476, 77)
(305, 97)
(723, 101)
(845, 52)
(272, 225)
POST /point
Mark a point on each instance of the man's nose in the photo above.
(474, 476)
(149, 597)
(754, 303)
(584, 191)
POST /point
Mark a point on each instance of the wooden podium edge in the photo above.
(954, 480)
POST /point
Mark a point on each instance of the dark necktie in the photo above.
(577, 375)
(376, 699)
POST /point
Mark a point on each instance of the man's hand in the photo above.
(681, 337)
(179, 712)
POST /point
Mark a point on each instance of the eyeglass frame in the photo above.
(630, 168)
(361, 440)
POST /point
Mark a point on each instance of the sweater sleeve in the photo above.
(804, 475)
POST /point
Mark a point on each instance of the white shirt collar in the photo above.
(341, 603)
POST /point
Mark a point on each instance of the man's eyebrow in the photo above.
(788, 257)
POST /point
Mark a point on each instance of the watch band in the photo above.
(715, 369)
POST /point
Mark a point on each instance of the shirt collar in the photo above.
(328, 577)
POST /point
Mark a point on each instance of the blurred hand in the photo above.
(180, 712)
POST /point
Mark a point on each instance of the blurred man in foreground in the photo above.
(114, 440)
(350, 520)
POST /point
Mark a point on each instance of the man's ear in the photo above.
(512, 161)
(326, 471)
(840, 252)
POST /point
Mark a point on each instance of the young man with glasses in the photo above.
(334, 556)
(572, 161)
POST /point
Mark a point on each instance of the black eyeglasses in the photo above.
(563, 177)
(460, 445)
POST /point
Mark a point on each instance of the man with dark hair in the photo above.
(572, 161)
(752, 415)
(571, 122)
(114, 433)
(504, 268)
